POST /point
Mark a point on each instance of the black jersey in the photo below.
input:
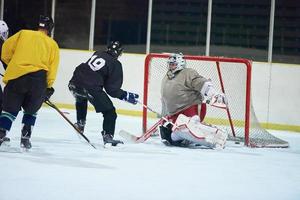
(101, 71)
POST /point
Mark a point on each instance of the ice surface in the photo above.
(61, 166)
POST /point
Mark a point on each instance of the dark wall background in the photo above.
(239, 28)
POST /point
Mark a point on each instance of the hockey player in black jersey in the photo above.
(101, 72)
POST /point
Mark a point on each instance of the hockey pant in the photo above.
(27, 92)
(191, 111)
(192, 130)
(101, 102)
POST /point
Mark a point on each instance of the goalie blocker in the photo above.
(212, 97)
(189, 130)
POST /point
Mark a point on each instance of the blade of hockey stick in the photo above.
(139, 139)
(49, 103)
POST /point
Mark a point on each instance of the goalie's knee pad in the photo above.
(191, 129)
(181, 120)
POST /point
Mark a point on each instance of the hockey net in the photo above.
(230, 75)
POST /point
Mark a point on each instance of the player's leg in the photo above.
(103, 104)
(1, 98)
(202, 111)
(165, 130)
(81, 103)
(13, 96)
(33, 100)
(189, 128)
(190, 111)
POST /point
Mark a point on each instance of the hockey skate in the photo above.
(165, 135)
(108, 138)
(80, 125)
(6, 139)
(25, 138)
(3, 138)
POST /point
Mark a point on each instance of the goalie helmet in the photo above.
(3, 30)
(176, 62)
(115, 49)
(46, 22)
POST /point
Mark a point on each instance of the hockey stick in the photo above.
(152, 111)
(139, 139)
(49, 103)
(135, 139)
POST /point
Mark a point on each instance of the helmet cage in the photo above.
(176, 60)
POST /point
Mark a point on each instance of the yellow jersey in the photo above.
(30, 51)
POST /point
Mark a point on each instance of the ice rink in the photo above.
(62, 166)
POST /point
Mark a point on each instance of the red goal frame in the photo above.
(247, 62)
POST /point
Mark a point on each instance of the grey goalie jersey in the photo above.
(182, 91)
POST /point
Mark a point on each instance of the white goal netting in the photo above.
(231, 75)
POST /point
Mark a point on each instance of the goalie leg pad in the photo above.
(191, 129)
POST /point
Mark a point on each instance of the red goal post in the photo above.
(232, 76)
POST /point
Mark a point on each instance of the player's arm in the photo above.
(114, 83)
(53, 66)
(206, 88)
(9, 47)
(212, 96)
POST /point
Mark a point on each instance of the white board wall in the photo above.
(275, 87)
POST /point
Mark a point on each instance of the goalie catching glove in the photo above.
(130, 97)
(212, 97)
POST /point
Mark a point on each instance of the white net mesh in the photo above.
(234, 76)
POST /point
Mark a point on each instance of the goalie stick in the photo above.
(52, 105)
(139, 139)
(164, 118)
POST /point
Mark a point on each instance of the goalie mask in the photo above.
(46, 22)
(176, 63)
(3, 30)
(115, 49)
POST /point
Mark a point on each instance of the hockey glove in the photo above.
(219, 100)
(212, 97)
(78, 92)
(49, 93)
(130, 97)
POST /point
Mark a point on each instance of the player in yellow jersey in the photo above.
(32, 59)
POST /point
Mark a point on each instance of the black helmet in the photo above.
(46, 22)
(115, 49)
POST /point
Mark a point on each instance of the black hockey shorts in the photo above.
(27, 92)
(97, 97)
(100, 100)
(103, 104)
